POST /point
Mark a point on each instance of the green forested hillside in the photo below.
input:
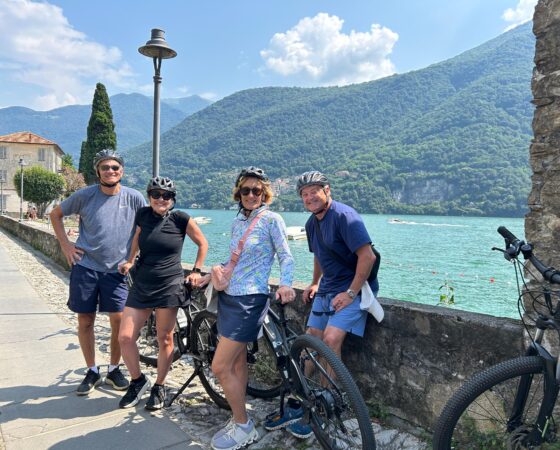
(132, 113)
(452, 138)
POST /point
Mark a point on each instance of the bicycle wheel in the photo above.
(204, 341)
(147, 343)
(479, 414)
(338, 414)
(264, 378)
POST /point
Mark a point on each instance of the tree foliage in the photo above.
(40, 186)
(100, 133)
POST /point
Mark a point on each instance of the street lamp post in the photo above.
(21, 164)
(157, 49)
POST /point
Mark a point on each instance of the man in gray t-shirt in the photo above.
(106, 213)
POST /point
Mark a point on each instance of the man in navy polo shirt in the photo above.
(342, 263)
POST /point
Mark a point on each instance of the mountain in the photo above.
(452, 138)
(132, 114)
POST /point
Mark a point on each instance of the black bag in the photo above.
(342, 261)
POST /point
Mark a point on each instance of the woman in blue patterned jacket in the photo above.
(242, 307)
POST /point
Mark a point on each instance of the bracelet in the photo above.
(196, 270)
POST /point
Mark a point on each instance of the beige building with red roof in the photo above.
(34, 150)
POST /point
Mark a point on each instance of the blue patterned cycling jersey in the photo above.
(268, 238)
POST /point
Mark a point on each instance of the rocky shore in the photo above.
(193, 411)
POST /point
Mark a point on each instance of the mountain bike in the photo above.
(312, 373)
(196, 337)
(512, 405)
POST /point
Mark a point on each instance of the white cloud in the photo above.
(212, 96)
(316, 50)
(522, 13)
(39, 46)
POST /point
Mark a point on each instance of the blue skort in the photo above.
(240, 317)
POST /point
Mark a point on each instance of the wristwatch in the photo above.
(351, 294)
(196, 270)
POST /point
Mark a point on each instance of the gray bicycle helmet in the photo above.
(313, 177)
(251, 171)
(161, 183)
(106, 154)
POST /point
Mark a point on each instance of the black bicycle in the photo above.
(512, 405)
(196, 337)
(311, 372)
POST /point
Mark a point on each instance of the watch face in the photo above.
(351, 293)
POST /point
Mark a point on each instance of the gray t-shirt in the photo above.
(106, 225)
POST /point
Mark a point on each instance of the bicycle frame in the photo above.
(276, 328)
(551, 383)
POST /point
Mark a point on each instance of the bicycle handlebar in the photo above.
(514, 246)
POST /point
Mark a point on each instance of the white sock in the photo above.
(245, 426)
(112, 367)
(94, 369)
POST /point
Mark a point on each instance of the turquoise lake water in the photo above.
(419, 255)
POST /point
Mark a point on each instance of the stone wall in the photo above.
(542, 223)
(41, 240)
(409, 364)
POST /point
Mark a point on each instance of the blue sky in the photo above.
(53, 52)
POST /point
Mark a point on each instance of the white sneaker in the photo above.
(233, 437)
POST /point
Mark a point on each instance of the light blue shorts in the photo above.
(350, 319)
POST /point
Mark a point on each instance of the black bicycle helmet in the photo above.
(252, 171)
(313, 177)
(106, 154)
(161, 183)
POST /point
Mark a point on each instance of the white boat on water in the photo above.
(296, 233)
(202, 220)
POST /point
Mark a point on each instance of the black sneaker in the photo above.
(135, 392)
(116, 379)
(91, 380)
(157, 398)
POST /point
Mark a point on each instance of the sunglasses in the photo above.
(247, 190)
(106, 167)
(326, 313)
(165, 195)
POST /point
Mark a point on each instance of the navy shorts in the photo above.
(90, 288)
(240, 317)
(351, 318)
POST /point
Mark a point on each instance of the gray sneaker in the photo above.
(135, 393)
(116, 379)
(89, 383)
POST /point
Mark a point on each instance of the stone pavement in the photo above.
(42, 365)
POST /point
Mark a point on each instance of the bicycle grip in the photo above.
(508, 235)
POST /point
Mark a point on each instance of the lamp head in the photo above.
(157, 46)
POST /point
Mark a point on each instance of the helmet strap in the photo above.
(108, 184)
(325, 206)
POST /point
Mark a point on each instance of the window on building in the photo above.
(3, 152)
(4, 200)
(42, 154)
(3, 175)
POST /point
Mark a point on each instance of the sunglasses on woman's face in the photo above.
(247, 190)
(107, 167)
(157, 195)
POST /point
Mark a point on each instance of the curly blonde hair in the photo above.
(267, 194)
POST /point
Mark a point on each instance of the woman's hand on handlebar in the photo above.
(285, 294)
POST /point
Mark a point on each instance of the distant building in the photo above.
(35, 151)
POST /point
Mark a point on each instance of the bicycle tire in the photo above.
(264, 379)
(148, 348)
(204, 341)
(477, 415)
(338, 414)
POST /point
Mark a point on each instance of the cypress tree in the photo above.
(100, 133)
